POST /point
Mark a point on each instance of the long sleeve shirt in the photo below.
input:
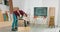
(21, 13)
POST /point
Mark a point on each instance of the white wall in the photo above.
(30, 4)
(4, 7)
(58, 19)
(18, 3)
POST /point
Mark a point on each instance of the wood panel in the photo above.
(51, 22)
(1, 17)
(51, 11)
(51, 16)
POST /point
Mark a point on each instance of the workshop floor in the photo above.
(6, 27)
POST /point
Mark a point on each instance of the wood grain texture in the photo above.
(1, 17)
(51, 16)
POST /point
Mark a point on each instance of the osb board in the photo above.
(51, 11)
(51, 22)
(51, 16)
(1, 17)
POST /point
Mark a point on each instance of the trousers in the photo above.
(15, 21)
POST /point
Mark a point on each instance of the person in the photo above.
(16, 15)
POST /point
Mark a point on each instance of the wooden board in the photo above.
(51, 11)
(1, 17)
(51, 16)
(51, 22)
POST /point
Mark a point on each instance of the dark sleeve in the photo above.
(22, 12)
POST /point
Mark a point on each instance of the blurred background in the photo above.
(43, 15)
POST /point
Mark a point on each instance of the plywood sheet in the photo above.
(51, 11)
(1, 17)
